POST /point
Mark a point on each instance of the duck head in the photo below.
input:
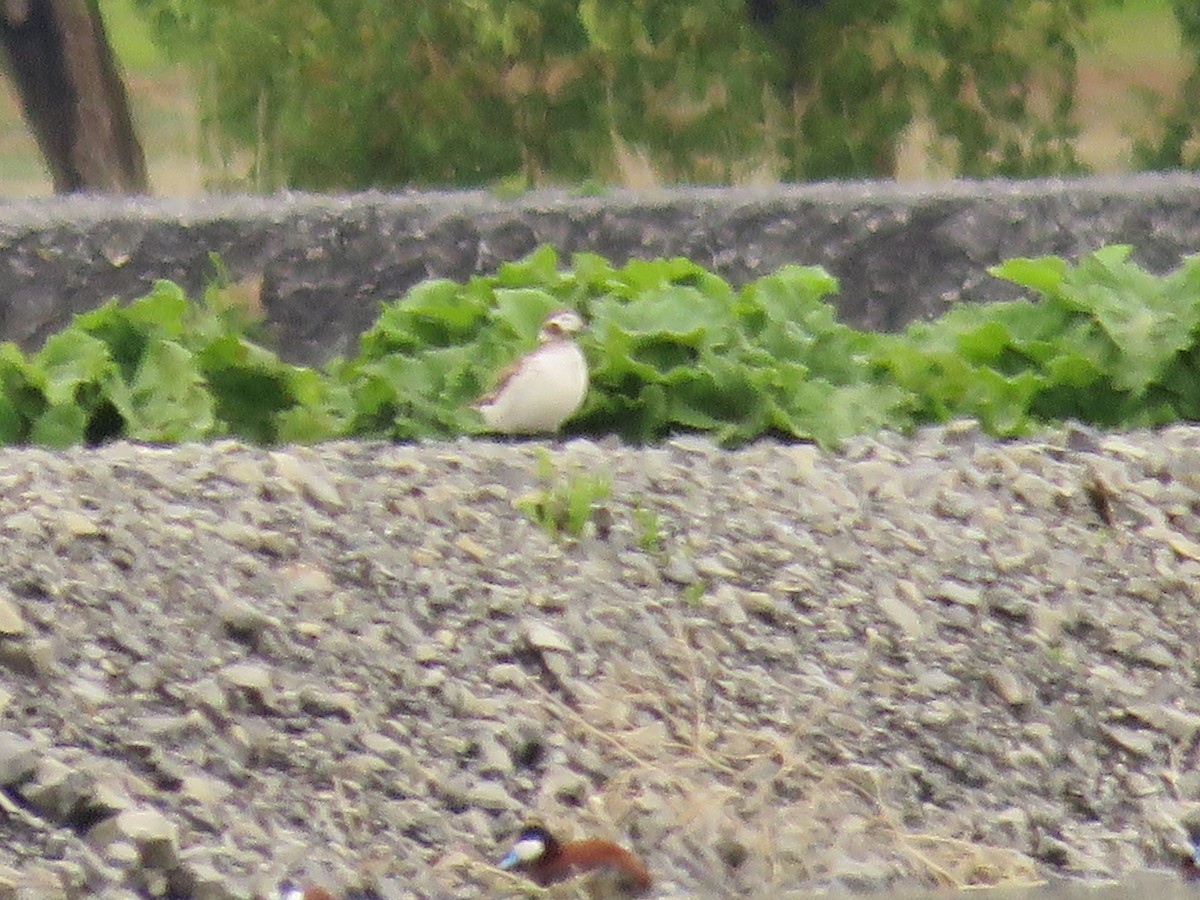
(534, 845)
(546, 861)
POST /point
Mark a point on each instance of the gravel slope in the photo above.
(919, 661)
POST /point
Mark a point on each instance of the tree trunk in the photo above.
(72, 94)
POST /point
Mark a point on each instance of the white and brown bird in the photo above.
(543, 388)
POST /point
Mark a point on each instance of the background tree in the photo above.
(1175, 139)
(844, 91)
(333, 94)
(72, 95)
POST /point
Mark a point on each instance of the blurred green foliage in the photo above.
(336, 94)
(1176, 141)
(671, 348)
(164, 370)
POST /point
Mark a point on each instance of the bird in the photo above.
(547, 861)
(544, 388)
(290, 891)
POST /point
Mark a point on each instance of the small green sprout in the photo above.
(649, 530)
(565, 503)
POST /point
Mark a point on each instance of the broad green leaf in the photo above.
(169, 397)
(664, 355)
(440, 311)
(63, 425)
(828, 414)
(618, 362)
(1044, 274)
(247, 384)
(985, 343)
(723, 395)
(1145, 323)
(640, 276)
(595, 272)
(19, 400)
(1000, 403)
(681, 313)
(538, 269)
(20, 387)
(323, 410)
(12, 423)
(163, 310)
(69, 359)
(794, 294)
(523, 310)
(1073, 370)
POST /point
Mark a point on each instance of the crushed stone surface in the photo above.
(919, 661)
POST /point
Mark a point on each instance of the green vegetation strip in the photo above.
(672, 347)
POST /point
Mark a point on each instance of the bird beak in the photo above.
(510, 861)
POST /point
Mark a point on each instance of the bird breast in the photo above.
(546, 389)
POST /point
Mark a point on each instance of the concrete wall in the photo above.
(901, 251)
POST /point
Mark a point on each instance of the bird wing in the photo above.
(506, 375)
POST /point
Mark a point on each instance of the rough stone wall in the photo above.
(901, 251)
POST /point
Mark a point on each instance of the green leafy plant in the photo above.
(692, 594)
(672, 348)
(566, 500)
(161, 369)
(1106, 343)
(649, 536)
